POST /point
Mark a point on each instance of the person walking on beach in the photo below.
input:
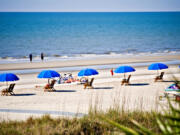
(112, 73)
(42, 56)
(30, 57)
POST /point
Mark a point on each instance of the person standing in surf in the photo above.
(42, 56)
(30, 57)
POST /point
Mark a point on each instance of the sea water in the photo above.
(85, 35)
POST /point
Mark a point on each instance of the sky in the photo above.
(88, 5)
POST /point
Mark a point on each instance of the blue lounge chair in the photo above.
(173, 87)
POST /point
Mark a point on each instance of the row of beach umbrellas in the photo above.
(6, 77)
(154, 66)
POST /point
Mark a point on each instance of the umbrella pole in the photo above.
(157, 72)
(7, 83)
(48, 81)
(124, 76)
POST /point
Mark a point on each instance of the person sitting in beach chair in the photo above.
(83, 80)
(50, 87)
(8, 90)
(89, 84)
(70, 78)
(160, 77)
(126, 81)
(65, 78)
(60, 80)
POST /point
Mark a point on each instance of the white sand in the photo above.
(69, 99)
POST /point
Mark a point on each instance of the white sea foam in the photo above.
(84, 56)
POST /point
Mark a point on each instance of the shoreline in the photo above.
(78, 68)
(88, 62)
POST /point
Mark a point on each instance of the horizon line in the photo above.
(90, 11)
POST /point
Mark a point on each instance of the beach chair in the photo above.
(8, 90)
(50, 87)
(89, 84)
(126, 81)
(160, 77)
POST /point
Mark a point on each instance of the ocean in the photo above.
(63, 36)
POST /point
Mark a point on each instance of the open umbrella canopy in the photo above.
(48, 74)
(6, 77)
(157, 66)
(87, 72)
(124, 69)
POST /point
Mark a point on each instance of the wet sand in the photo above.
(85, 62)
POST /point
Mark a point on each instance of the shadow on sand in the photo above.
(138, 84)
(166, 81)
(103, 88)
(65, 91)
(25, 94)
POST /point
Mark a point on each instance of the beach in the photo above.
(72, 100)
(126, 59)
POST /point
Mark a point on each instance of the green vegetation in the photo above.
(168, 123)
(90, 124)
(114, 121)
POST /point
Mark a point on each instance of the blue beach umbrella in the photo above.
(87, 72)
(157, 66)
(124, 69)
(6, 77)
(48, 74)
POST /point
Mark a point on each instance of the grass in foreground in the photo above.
(168, 122)
(90, 124)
